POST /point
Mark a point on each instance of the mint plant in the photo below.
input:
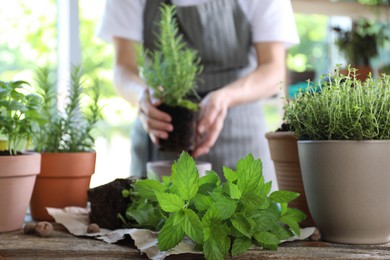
(70, 129)
(172, 69)
(221, 218)
(20, 115)
(345, 108)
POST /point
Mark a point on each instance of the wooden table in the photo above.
(63, 245)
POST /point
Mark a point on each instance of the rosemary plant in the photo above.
(344, 109)
(70, 129)
(172, 69)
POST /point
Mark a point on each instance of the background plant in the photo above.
(219, 217)
(20, 115)
(344, 109)
(70, 129)
(172, 69)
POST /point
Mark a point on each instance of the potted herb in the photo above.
(220, 217)
(360, 44)
(284, 154)
(19, 119)
(171, 72)
(344, 143)
(66, 143)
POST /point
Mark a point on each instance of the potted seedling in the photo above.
(220, 217)
(19, 120)
(344, 147)
(66, 143)
(360, 44)
(171, 72)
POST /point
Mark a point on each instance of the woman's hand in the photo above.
(155, 122)
(213, 110)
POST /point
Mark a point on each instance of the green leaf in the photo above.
(185, 176)
(169, 202)
(211, 215)
(202, 202)
(170, 235)
(243, 224)
(241, 245)
(292, 223)
(225, 205)
(229, 174)
(265, 220)
(192, 226)
(292, 217)
(234, 191)
(249, 172)
(147, 188)
(282, 196)
(267, 240)
(282, 233)
(218, 244)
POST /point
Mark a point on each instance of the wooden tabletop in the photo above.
(63, 245)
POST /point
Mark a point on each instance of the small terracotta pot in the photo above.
(362, 72)
(284, 154)
(63, 182)
(164, 168)
(17, 178)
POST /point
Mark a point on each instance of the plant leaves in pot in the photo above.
(171, 72)
(344, 147)
(19, 120)
(66, 143)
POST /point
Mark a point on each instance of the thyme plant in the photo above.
(171, 70)
(70, 129)
(344, 109)
(20, 115)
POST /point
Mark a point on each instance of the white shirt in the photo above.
(271, 20)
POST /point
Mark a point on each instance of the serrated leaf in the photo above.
(170, 235)
(147, 188)
(265, 220)
(218, 244)
(282, 196)
(234, 191)
(249, 172)
(243, 224)
(295, 214)
(229, 174)
(211, 177)
(267, 240)
(282, 233)
(225, 205)
(211, 215)
(185, 176)
(169, 202)
(292, 223)
(202, 202)
(241, 245)
(192, 226)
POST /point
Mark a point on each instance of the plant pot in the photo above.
(284, 154)
(63, 182)
(183, 136)
(17, 178)
(347, 184)
(164, 168)
(362, 72)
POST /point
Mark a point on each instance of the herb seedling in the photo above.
(219, 217)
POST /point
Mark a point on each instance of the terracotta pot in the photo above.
(284, 154)
(17, 178)
(63, 182)
(163, 168)
(347, 184)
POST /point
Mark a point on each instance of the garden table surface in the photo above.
(63, 245)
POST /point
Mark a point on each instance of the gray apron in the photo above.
(221, 33)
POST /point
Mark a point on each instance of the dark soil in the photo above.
(6, 153)
(284, 128)
(107, 202)
(183, 136)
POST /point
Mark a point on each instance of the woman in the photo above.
(242, 45)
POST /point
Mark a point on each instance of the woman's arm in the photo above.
(262, 83)
(131, 87)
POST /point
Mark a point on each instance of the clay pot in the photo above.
(362, 72)
(63, 182)
(284, 154)
(347, 184)
(163, 168)
(17, 178)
